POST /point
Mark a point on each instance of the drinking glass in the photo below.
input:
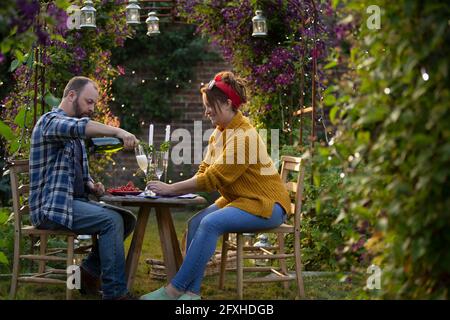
(159, 164)
(143, 161)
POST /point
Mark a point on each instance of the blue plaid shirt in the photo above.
(52, 168)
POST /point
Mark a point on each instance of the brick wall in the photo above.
(187, 107)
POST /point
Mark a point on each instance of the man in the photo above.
(60, 182)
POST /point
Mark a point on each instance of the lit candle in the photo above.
(150, 135)
(167, 133)
(166, 154)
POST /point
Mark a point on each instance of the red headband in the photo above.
(227, 89)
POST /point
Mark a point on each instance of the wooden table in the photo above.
(167, 234)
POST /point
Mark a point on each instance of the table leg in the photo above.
(169, 242)
(136, 246)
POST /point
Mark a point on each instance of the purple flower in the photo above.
(79, 53)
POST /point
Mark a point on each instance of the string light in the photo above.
(387, 90)
(425, 75)
(342, 175)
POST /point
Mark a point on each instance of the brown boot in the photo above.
(89, 284)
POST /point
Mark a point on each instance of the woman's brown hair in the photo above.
(215, 96)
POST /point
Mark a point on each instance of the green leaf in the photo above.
(329, 100)
(333, 113)
(3, 258)
(51, 100)
(3, 216)
(330, 65)
(19, 55)
(30, 60)
(14, 64)
(6, 131)
(20, 117)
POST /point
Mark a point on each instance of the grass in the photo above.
(316, 287)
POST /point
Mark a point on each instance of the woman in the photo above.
(237, 165)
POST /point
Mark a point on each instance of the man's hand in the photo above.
(161, 188)
(129, 140)
(97, 189)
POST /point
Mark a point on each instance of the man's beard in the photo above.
(77, 109)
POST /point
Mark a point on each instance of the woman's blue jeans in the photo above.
(107, 259)
(205, 228)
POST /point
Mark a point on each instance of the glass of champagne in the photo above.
(143, 162)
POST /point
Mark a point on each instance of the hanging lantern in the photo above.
(152, 24)
(133, 12)
(259, 25)
(87, 17)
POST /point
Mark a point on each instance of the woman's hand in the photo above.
(161, 188)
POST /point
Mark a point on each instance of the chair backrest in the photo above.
(19, 190)
(294, 164)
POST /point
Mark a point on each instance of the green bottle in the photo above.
(104, 145)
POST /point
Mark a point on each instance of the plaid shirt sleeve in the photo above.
(58, 127)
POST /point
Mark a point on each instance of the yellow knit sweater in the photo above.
(238, 166)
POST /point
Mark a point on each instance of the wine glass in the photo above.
(159, 164)
(143, 162)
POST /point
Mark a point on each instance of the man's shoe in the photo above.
(89, 284)
(160, 294)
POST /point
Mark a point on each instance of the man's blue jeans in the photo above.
(107, 259)
(205, 228)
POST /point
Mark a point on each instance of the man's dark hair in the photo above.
(77, 84)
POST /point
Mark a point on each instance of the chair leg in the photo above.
(70, 256)
(16, 266)
(223, 260)
(240, 265)
(42, 252)
(283, 265)
(298, 265)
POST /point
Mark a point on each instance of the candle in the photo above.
(167, 133)
(166, 154)
(150, 135)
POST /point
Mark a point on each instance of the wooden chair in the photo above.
(289, 164)
(39, 238)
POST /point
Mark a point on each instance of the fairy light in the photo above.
(357, 155)
(133, 72)
(170, 181)
(350, 158)
(329, 158)
(123, 168)
(425, 75)
(167, 79)
(143, 81)
(387, 90)
(342, 175)
(113, 99)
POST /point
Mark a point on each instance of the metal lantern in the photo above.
(133, 12)
(87, 17)
(152, 24)
(259, 25)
